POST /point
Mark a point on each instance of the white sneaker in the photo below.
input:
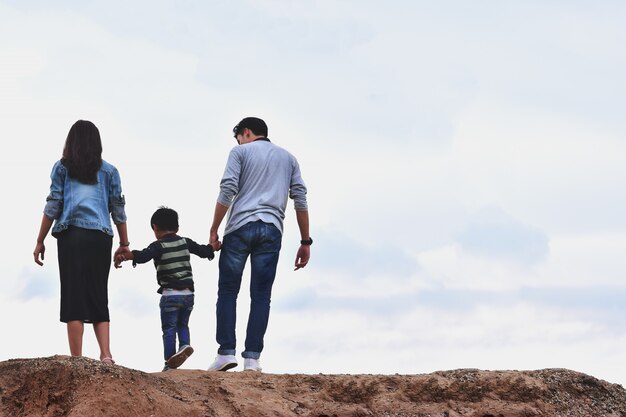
(179, 357)
(250, 364)
(223, 363)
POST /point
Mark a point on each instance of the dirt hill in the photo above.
(73, 387)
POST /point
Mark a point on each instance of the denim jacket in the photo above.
(72, 203)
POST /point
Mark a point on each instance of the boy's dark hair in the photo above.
(256, 125)
(165, 218)
(82, 153)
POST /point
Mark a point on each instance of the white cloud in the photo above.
(494, 234)
(37, 284)
(589, 261)
(558, 175)
(515, 336)
(361, 259)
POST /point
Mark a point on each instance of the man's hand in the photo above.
(303, 256)
(214, 240)
(217, 245)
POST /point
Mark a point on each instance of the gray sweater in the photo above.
(258, 179)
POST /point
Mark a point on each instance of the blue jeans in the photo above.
(261, 241)
(175, 312)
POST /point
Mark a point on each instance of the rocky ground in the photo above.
(64, 386)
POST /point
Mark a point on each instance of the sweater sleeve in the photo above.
(297, 188)
(153, 251)
(203, 251)
(229, 186)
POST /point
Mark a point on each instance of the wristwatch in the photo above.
(307, 242)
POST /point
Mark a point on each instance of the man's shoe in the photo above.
(166, 368)
(250, 364)
(179, 357)
(223, 363)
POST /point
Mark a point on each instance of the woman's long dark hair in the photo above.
(82, 153)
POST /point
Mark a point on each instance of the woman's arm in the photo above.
(40, 248)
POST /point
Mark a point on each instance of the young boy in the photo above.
(171, 255)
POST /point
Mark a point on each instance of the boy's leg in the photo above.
(182, 324)
(169, 318)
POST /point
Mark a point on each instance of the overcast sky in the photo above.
(466, 166)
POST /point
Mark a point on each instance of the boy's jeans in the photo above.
(261, 241)
(175, 312)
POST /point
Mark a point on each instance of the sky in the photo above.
(464, 162)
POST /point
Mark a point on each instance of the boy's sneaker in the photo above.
(179, 357)
(223, 363)
(166, 368)
(250, 364)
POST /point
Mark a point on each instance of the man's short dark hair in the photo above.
(165, 218)
(256, 125)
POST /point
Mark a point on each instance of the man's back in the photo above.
(260, 176)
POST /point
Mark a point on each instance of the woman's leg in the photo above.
(101, 329)
(75, 329)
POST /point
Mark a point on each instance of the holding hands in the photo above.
(123, 253)
(214, 241)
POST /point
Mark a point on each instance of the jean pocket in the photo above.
(171, 303)
(189, 301)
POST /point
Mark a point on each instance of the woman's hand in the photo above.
(40, 250)
(122, 254)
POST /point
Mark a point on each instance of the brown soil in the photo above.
(63, 386)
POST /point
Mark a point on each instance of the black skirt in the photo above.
(84, 265)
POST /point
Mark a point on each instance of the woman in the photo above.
(85, 193)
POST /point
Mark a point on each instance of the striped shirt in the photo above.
(171, 256)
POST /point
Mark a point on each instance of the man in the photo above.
(258, 179)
